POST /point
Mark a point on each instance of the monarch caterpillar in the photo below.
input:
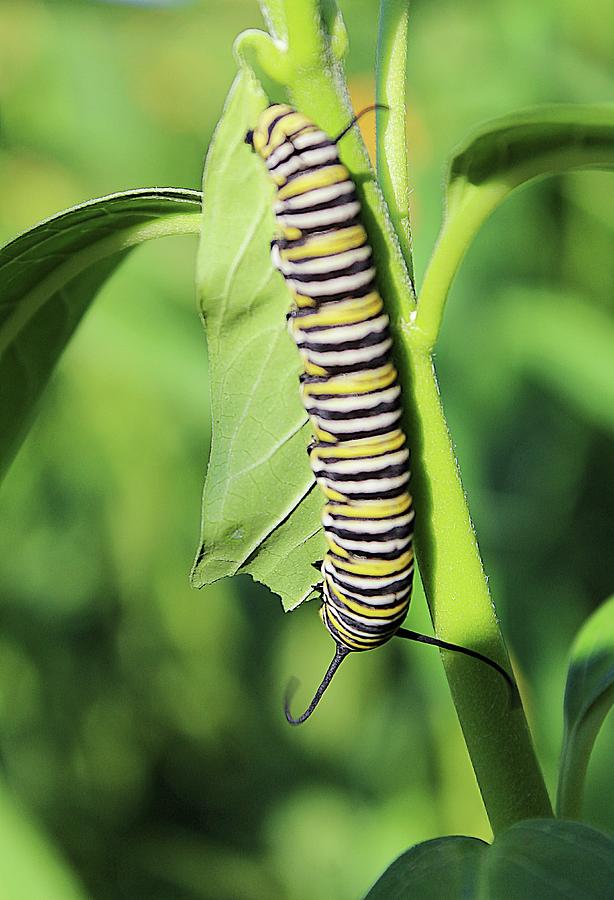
(349, 388)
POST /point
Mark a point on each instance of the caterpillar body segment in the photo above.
(349, 386)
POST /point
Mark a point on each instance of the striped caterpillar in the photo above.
(349, 388)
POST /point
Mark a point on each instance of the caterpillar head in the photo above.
(275, 124)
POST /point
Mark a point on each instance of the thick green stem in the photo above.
(390, 91)
(497, 736)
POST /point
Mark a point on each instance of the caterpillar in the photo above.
(349, 387)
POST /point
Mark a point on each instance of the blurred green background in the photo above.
(140, 721)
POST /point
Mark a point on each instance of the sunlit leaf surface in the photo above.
(260, 512)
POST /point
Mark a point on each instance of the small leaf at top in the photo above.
(260, 512)
(589, 695)
(49, 276)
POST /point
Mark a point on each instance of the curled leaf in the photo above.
(50, 274)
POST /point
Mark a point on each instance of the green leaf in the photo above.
(545, 859)
(49, 276)
(446, 867)
(258, 475)
(589, 695)
(30, 865)
(551, 860)
(498, 158)
(530, 144)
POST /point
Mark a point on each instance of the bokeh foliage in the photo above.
(140, 721)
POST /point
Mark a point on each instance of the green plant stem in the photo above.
(498, 738)
(455, 238)
(391, 138)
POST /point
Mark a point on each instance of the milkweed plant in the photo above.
(261, 514)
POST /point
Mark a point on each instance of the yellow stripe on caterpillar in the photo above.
(334, 546)
(293, 123)
(375, 566)
(327, 244)
(346, 312)
(304, 302)
(330, 494)
(363, 447)
(374, 612)
(362, 643)
(313, 369)
(354, 383)
(371, 509)
(290, 233)
(320, 178)
(267, 117)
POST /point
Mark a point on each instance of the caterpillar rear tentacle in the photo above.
(349, 386)
(340, 654)
(474, 654)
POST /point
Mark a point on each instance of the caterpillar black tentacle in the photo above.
(474, 654)
(355, 119)
(349, 385)
(340, 654)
